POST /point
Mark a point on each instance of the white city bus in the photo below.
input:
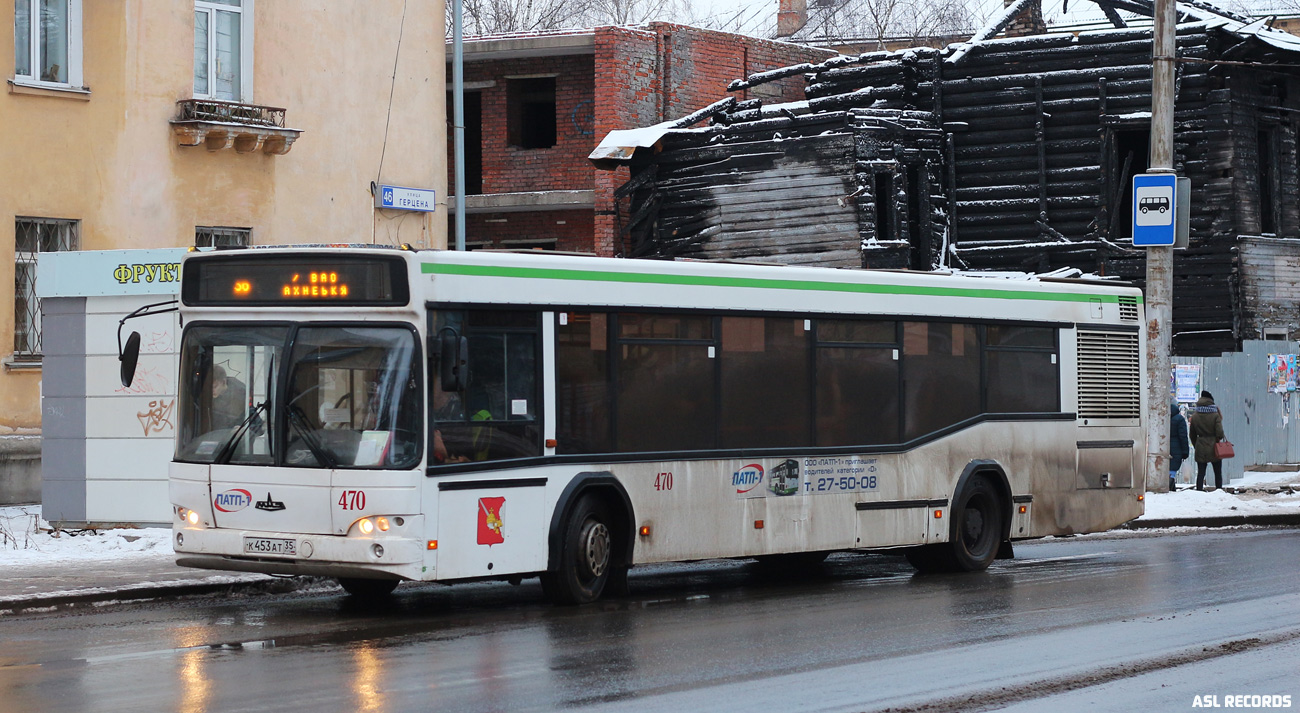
(385, 415)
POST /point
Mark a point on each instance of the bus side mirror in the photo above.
(129, 356)
(453, 358)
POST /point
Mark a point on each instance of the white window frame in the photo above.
(75, 80)
(245, 11)
(32, 322)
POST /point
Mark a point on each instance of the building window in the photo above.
(223, 50)
(530, 113)
(222, 237)
(47, 42)
(34, 236)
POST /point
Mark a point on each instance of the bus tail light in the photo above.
(433, 544)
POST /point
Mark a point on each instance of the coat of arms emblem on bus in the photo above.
(490, 527)
(784, 478)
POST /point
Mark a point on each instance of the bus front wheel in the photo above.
(587, 559)
(974, 536)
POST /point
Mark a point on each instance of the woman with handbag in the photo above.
(1206, 426)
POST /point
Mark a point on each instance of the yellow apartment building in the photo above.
(146, 124)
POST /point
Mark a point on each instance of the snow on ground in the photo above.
(25, 539)
(1191, 503)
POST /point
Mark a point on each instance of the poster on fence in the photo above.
(1187, 383)
(1281, 373)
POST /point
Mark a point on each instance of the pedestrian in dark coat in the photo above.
(1206, 426)
(1179, 449)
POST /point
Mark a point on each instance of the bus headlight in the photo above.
(187, 516)
(367, 526)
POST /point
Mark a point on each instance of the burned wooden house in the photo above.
(999, 154)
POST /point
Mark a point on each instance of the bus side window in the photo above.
(444, 405)
(495, 413)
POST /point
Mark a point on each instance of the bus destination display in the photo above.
(276, 281)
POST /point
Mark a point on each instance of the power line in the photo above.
(401, 29)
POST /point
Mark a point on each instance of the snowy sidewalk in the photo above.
(40, 569)
(1256, 499)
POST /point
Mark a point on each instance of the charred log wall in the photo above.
(761, 184)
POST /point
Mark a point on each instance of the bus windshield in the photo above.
(351, 396)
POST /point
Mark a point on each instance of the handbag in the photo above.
(1223, 449)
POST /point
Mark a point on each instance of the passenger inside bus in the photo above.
(466, 446)
(229, 402)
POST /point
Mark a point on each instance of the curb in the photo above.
(143, 592)
(1282, 520)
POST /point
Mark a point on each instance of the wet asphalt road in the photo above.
(1135, 622)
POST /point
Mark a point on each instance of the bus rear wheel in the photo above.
(974, 536)
(587, 558)
(367, 588)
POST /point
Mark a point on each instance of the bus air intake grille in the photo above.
(1128, 309)
(1110, 375)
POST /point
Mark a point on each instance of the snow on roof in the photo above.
(620, 144)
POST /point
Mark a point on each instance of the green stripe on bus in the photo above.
(543, 273)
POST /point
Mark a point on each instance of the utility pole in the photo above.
(458, 118)
(1160, 259)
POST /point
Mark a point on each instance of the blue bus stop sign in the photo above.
(1154, 208)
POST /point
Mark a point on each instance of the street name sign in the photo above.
(399, 198)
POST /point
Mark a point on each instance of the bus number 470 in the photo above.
(353, 500)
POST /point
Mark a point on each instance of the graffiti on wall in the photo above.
(158, 417)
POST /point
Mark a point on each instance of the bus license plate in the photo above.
(270, 546)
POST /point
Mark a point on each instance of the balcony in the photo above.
(221, 125)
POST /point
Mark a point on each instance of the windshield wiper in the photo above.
(298, 420)
(228, 448)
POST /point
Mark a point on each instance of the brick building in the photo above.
(537, 104)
